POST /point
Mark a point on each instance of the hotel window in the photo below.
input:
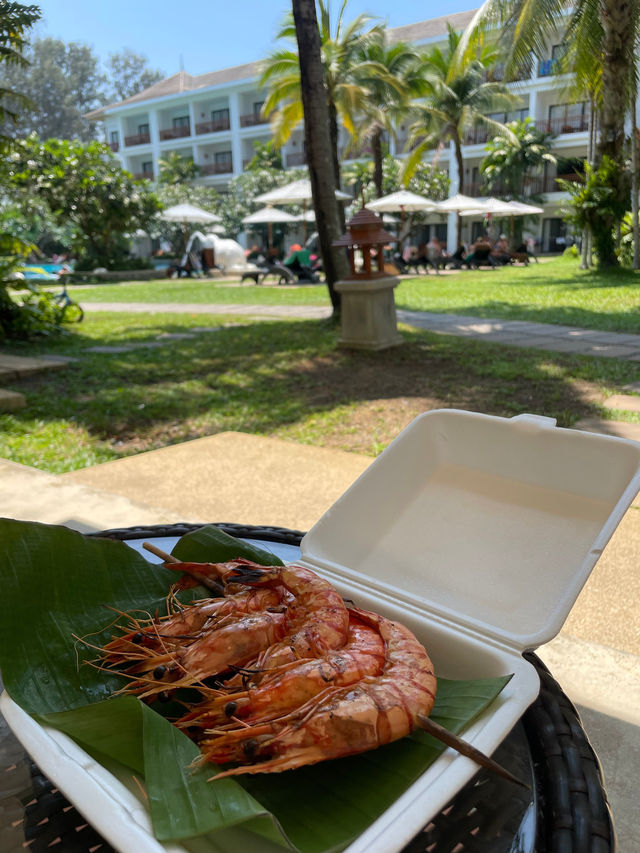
(143, 129)
(223, 158)
(257, 108)
(220, 116)
(114, 137)
(181, 121)
(147, 167)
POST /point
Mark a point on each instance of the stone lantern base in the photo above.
(368, 313)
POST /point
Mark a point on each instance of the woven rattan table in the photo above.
(566, 810)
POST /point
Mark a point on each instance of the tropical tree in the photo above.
(390, 76)
(596, 204)
(457, 97)
(340, 45)
(427, 180)
(511, 160)
(85, 185)
(318, 140)
(173, 168)
(15, 20)
(601, 37)
(129, 74)
(63, 82)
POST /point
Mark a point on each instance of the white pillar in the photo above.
(154, 133)
(192, 129)
(236, 141)
(533, 105)
(454, 186)
(121, 150)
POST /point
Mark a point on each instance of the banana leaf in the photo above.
(62, 592)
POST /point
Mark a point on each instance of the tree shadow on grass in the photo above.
(267, 377)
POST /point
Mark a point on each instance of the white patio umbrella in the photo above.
(519, 208)
(402, 202)
(187, 214)
(297, 192)
(267, 216)
(458, 203)
(494, 206)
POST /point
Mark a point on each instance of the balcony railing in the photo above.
(213, 126)
(114, 146)
(217, 168)
(137, 139)
(143, 176)
(534, 186)
(252, 119)
(299, 158)
(566, 124)
(175, 132)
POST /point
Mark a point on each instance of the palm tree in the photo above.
(318, 141)
(390, 75)
(511, 160)
(176, 169)
(601, 38)
(344, 96)
(457, 97)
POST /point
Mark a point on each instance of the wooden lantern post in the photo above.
(368, 314)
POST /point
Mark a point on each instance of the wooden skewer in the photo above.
(465, 748)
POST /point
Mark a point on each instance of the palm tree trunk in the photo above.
(376, 149)
(459, 161)
(335, 137)
(616, 17)
(318, 142)
(634, 179)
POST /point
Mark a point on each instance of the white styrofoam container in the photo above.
(477, 532)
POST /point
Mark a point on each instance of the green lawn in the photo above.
(278, 378)
(554, 291)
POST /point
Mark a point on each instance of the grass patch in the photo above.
(275, 378)
(551, 292)
(554, 291)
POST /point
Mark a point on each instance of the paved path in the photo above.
(569, 339)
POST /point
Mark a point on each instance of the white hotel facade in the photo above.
(215, 118)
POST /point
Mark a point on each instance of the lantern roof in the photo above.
(364, 229)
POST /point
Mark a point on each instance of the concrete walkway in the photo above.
(568, 339)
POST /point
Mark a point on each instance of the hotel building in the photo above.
(215, 118)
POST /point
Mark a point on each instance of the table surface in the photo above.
(565, 810)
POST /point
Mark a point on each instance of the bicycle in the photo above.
(69, 311)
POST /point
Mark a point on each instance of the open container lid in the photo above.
(493, 523)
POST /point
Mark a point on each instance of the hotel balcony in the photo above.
(252, 119)
(114, 146)
(143, 176)
(216, 168)
(299, 158)
(566, 124)
(536, 186)
(212, 126)
(137, 139)
(175, 132)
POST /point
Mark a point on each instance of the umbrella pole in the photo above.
(270, 235)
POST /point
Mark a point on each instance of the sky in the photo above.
(201, 35)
